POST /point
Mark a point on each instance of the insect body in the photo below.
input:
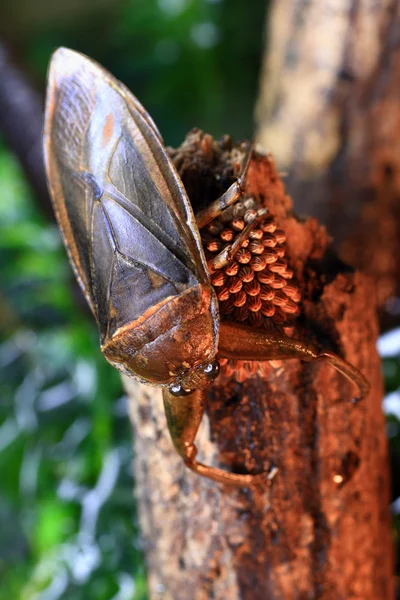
(135, 247)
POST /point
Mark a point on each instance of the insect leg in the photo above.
(245, 343)
(184, 414)
(226, 255)
(232, 195)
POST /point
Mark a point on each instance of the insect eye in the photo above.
(212, 370)
(179, 390)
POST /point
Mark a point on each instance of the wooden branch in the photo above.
(321, 528)
(21, 123)
(330, 109)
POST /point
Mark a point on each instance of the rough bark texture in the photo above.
(321, 528)
(330, 109)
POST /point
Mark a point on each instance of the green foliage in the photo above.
(66, 510)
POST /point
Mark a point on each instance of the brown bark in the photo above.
(321, 528)
(330, 110)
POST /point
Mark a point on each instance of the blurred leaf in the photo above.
(57, 422)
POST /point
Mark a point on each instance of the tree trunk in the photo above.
(320, 529)
(329, 109)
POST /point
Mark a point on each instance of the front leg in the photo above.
(228, 254)
(184, 415)
(232, 195)
(245, 343)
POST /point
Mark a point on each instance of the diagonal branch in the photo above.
(21, 123)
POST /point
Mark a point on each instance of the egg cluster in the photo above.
(256, 287)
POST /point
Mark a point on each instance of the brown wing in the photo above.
(125, 218)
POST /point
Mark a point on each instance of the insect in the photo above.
(135, 247)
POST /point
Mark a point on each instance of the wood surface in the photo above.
(320, 529)
(329, 109)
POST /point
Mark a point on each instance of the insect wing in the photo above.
(125, 218)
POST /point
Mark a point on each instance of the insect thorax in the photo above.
(169, 341)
